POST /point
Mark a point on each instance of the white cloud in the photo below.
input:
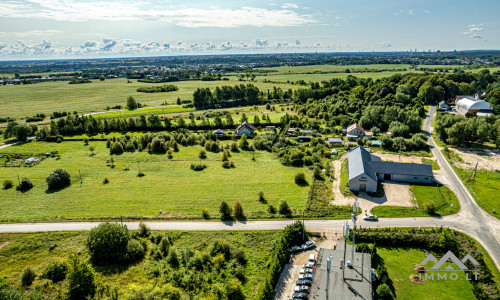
(73, 11)
(29, 33)
(289, 5)
(113, 47)
(473, 30)
(407, 11)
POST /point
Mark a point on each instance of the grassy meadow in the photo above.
(20, 101)
(37, 250)
(168, 185)
(400, 263)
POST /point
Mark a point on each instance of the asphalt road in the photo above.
(471, 219)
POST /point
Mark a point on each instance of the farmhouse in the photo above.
(355, 131)
(469, 104)
(366, 169)
(245, 128)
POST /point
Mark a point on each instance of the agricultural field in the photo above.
(20, 101)
(400, 263)
(38, 250)
(171, 185)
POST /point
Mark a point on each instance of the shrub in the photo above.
(317, 172)
(198, 167)
(173, 259)
(28, 276)
(224, 210)
(244, 142)
(271, 209)
(224, 156)
(158, 146)
(144, 230)
(58, 179)
(284, 209)
(384, 292)
(203, 154)
(131, 103)
(141, 174)
(429, 207)
(234, 147)
(107, 243)
(25, 185)
(300, 178)
(7, 184)
(135, 251)
(205, 213)
(55, 271)
(231, 164)
(238, 210)
(169, 154)
(106, 180)
(261, 197)
(116, 148)
(226, 164)
(81, 280)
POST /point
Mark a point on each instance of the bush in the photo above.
(271, 209)
(198, 167)
(225, 210)
(55, 271)
(234, 147)
(135, 251)
(203, 154)
(106, 180)
(116, 148)
(173, 259)
(141, 174)
(384, 292)
(107, 243)
(300, 178)
(25, 185)
(81, 280)
(205, 213)
(284, 209)
(28, 276)
(261, 197)
(226, 164)
(144, 230)
(238, 210)
(58, 179)
(7, 184)
(317, 172)
(244, 142)
(429, 207)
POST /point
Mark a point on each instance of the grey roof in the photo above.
(334, 140)
(402, 168)
(359, 163)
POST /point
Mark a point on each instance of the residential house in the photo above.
(444, 105)
(245, 128)
(355, 131)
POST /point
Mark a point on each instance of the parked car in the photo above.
(370, 218)
(306, 271)
(295, 249)
(302, 288)
(308, 245)
(310, 266)
(307, 276)
(304, 282)
(300, 295)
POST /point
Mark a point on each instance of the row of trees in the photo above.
(458, 130)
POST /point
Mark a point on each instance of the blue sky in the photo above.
(37, 29)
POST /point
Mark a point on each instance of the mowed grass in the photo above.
(168, 185)
(37, 250)
(400, 263)
(332, 68)
(21, 101)
(445, 202)
(143, 111)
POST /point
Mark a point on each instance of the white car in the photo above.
(307, 245)
(370, 218)
(305, 271)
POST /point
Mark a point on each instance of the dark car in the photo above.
(300, 295)
(304, 282)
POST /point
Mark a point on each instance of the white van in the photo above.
(311, 259)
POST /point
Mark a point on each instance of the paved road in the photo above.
(471, 219)
(14, 143)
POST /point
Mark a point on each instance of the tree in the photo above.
(131, 103)
(25, 185)
(173, 259)
(28, 276)
(58, 179)
(116, 148)
(92, 149)
(238, 210)
(107, 243)
(300, 178)
(81, 280)
(384, 292)
(224, 210)
(22, 132)
(284, 209)
(244, 142)
(317, 172)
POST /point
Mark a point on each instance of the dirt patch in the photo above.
(420, 269)
(5, 244)
(396, 194)
(416, 279)
(488, 159)
(404, 158)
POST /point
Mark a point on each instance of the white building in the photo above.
(469, 104)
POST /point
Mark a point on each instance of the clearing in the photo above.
(488, 159)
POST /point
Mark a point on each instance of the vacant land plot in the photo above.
(39, 249)
(400, 263)
(487, 159)
(20, 101)
(168, 185)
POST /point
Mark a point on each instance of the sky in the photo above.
(46, 29)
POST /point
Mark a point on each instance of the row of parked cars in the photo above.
(306, 246)
(306, 276)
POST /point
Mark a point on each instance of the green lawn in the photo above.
(422, 193)
(21, 101)
(169, 185)
(344, 179)
(400, 263)
(432, 162)
(38, 249)
(143, 112)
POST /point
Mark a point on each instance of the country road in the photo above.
(471, 219)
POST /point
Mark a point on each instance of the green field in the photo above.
(400, 263)
(21, 101)
(422, 194)
(169, 185)
(143, 112)
(37, 250)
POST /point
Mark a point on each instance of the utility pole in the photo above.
(18, 181)
(354, 217)
(80, 176)
(473, 173)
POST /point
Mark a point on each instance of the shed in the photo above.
(334, 152)
(30, 160)
(304, 138)
(333, 141)
(219, 132)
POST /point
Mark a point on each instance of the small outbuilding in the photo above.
(334, 141)
(304, 138)
(219, 132)
(245, 128)
(444, 105)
